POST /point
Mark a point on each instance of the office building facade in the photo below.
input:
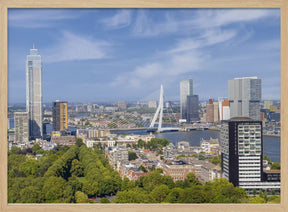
(242, 156)
(193, 108)
(34, 93)
(224, 108)
(21, 127)
(60, 116)
(242, 151)
(216, 111)
(186, 90)
(267, 103)
(210, 111)
(244, 95)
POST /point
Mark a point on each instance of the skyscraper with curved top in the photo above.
(34, 93)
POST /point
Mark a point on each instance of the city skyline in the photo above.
(123, 49)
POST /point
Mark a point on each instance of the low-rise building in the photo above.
(135, 174)
(272, 175)
(209, 172)
(178, 170)
(183, 145)
(207, 145)
(117, 155)
(63, 140)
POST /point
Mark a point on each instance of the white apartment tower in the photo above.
(21, 127)
(34, 93)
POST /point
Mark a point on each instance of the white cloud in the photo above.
(38, 18)
(208, 38)
(145, 27)
(224, 17)
(186, 56)
(119, 20)
(203, 18)
(74, 47)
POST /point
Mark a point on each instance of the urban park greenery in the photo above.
(78, 174)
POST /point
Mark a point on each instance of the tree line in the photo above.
(78, 174)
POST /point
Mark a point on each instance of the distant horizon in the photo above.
(112, 55)
(178, 101)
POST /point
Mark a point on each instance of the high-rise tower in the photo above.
(242, 150)
(21, 127)
(244, 95)
(242, 155)
(34, 93)
(186, 89)
(60, 116)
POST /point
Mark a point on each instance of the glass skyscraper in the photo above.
(244, 95)
(34, 93)
(186, 89)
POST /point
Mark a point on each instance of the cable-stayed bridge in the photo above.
(159, 113)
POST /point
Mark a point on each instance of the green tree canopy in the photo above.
(31, 194)
(29, 167)
(104, 200)
(79, 142)
(191, 180)
(136, 195)
(159, 193)
(54, 188)
(77, 168)
(81, 197)
(173, 196)
(275, 166)
(91, 188)
(132, 155)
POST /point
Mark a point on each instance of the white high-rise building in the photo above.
(186, 89)
(224, 108)
(226, 112)
(242, 155)
(242, 150)
(267, 103)
(34, 93)
(244, 95)
(21, 127)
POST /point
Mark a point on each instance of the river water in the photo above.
(271, 145)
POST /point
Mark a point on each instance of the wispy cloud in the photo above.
(119, 20)
(208, 38)
(185, 57)
(191, 52)
(38, 18)
(145, 26)
(74, 47)
(223, 17)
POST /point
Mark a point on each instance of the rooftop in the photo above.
(246, 78)
(241, 119)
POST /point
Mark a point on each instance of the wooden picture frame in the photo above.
(6, 4)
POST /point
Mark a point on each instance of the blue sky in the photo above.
(99, 55)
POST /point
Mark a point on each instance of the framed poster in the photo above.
(99, 58)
